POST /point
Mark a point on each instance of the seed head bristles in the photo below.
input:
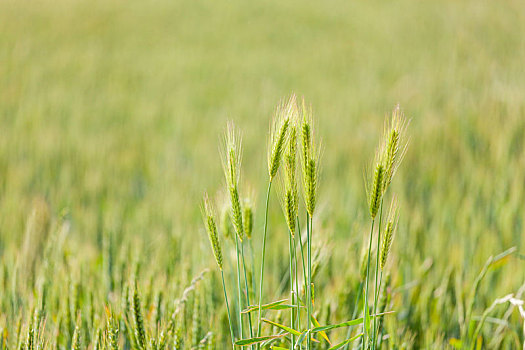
(395, 143)
(231, 162)
(231, 155)
(309, 160)
(208, 214)
(390, 230)
(279, 134)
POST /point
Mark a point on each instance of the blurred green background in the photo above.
(111, 113)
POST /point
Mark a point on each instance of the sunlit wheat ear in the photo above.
(231, 155)
(279, 134)
(375, 188)
(396, 143)
(290, 154)
(310, 156)
(289, 197)
(288, 200)
(208, 214)
(390, 230)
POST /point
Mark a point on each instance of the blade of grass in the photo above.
(346, 342)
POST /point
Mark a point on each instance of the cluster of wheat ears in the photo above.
(292, 141)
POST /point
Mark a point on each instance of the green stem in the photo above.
(261, 280)
(299, 238)
(296, 285)
(292, 311)
(254, 287)
(376, 290)
(302, 258)
(365, 308)
(376, 331)
(228, 309)
(247, 291)
(239, 286)
(309, 222)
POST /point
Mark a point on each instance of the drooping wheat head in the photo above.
(231, 161)
(289, 193)
(376, 187)
(208, 214)
(396, 143)
(390, 230)
(309, 159)
(279, 134)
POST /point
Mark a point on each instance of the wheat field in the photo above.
(133, 134)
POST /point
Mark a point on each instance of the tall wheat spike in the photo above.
(276, 144)
(231, 156)
(208, 214)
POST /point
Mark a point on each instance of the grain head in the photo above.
(279, 134)
(390, 230)
(208, 214)
(231, 163)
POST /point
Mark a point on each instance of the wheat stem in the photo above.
(297, 299)
(261, 280)
(292, 300)
(376, 291)
(302, 256)
(309, 222)
(376, 331)
(247, 291)
(254, 286)
(227, 309)
(239, 293)
(365, 307)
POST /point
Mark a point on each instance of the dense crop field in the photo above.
(112, 120)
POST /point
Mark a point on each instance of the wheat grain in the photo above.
(208, 214)
(390, 230)
(231, 161)
(279, 135)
